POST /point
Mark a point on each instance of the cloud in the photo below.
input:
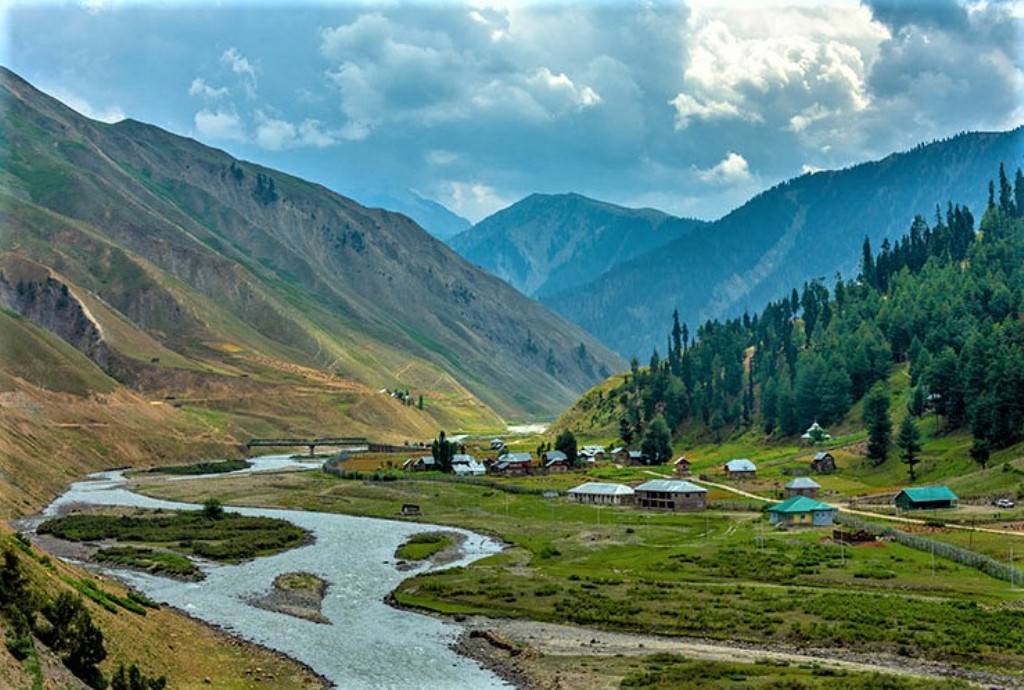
(730, 170)
(441, 157)
(276, 134)
(109, 114)
(219, 125)
(241, 66)
(199, 87)
(474, 200)
(689, 108)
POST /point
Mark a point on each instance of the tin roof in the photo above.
(925, 494)
(602, 488)
(800, 504)
(803, 483)
(672, 486)
(741, 465)
(515, 457)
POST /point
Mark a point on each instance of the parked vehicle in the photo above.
(1003, 503)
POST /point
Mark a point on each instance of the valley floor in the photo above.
(706, 585)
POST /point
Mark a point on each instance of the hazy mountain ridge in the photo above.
(811, 226)
(545, 244)
(228, 264)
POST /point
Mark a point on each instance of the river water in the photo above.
(368, 645)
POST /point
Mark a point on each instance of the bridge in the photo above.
(349, 443)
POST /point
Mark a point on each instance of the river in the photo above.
(368, 645)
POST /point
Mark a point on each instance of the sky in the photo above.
(691, 107)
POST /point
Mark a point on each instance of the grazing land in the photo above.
(144, 537)
(420, 547)
(717, 575)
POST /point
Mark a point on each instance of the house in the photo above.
(620, 455)
(926, 498)
(555, 461)
(802, 510)
(823, 463)
(740, 468)
(467, 466)
(513, 464)
(601, 493)
(802, 486)
(671, 494)
(497, 444)
(420, 464)
(682, 466)
(637, 458)
(815, 434)
(410, 509)
(592, 453)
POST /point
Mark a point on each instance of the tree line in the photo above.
(946, 297)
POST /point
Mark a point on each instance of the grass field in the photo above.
(719, 575)
(420, 547)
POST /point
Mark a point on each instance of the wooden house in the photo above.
(823, 463)
(682, 467)
(513, 464)
(420, 464)
(555, 461)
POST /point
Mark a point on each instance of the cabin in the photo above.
(740, 468)
(512, 464)
(410, 509)
(802, 486)
(467, 466)
(601, 493)
(802, 511)
(926, 498)
(420, 464)
(636, 457)
(555, 461)
(682, 467)
(671, 494)
(823, 463)
(620, 455)
(592, 453)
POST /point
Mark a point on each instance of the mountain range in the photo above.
(256, 298)
(551, 243)
(619, 273)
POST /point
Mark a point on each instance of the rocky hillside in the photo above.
(808, 227)
(550, 243)
(185, 272)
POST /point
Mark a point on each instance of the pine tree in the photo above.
(867, 264)
(566, 442)
(443, 450)
(879, 425)
(909, 441)
(657, 443)
(1005, 193)
(1018, 193)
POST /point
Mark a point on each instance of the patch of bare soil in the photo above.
(295, 594)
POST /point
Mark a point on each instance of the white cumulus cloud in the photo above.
(199, 87)
(730, 170)
(241, 66)
(220, 124)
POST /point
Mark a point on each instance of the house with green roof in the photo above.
(926, 498)
(802, 510)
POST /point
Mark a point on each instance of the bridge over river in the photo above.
(351, 444)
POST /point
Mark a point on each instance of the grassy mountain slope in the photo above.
(811, 226)
(243, 271)
(550, 243)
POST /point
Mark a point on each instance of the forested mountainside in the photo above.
(549, 243)
(945, 299)
(808, 227)
(192, 274)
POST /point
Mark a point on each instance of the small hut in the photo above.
(802, 486)
(682, 467)
(823, 463)
(740, 468)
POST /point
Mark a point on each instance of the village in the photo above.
(795, 503)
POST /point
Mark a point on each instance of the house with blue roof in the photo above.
(926, 498)
(802, 486)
